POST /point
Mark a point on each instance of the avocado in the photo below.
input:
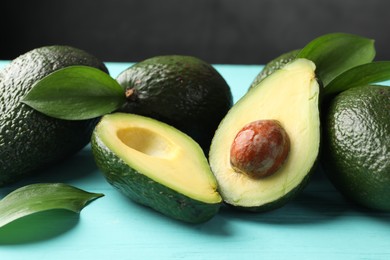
(267, 145)
(29, 140)
(273, 65)
(156, 165)
(182, 91)
(356, 154)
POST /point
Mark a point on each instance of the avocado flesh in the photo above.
(290, 95)
(29, 140)
(156, 165)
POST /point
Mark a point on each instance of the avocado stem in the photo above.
(129, 92)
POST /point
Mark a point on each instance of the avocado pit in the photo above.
(260, 148)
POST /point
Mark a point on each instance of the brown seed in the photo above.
(260, 148)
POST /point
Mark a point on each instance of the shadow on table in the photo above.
(38, 227)
(79, 166)
(216, 226)
(318, 202)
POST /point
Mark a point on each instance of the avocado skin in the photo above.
(148, 192)
(275, 64)
(182, 91)
(29, 140)
(356, 142)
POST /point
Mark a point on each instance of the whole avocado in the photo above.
(29, 140)
(182, 91)
(356, 151)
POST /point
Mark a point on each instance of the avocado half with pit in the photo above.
(156, 165)
(267, 145)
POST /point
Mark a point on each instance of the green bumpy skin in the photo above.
(357, 145)
(29, 140)
(145, 191)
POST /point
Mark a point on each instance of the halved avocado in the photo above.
(156, 165)
(289, 96)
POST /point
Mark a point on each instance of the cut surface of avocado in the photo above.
(156, 165)
(290, 96)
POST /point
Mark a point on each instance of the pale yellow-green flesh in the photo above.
(160, 152)
(289, 95)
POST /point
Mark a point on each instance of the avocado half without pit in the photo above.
(266, 146)
(156, 165)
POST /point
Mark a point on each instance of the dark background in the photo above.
(218, 31)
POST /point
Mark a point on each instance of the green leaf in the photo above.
(76, 93)
(37, 227)
(40, 197)
(365, 74)
(337, 52)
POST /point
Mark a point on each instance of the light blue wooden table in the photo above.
(318, 224)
